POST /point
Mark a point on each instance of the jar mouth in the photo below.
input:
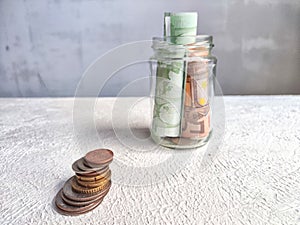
(203, 37)
(187, 41)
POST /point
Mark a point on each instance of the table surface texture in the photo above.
(248, 175)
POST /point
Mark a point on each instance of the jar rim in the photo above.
(184, 43)
(198, 38)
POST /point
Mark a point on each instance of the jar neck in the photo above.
(173, 47)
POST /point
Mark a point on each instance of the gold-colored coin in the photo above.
(106, 174)
(78, 188)
(94, 184)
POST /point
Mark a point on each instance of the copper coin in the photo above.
(77, 169)
(92, 174)
(95, 166)
(87, 190)
(65, 213)
(73, 209)
(94, 178)
(90, 165)
(83, 167)
(99, 157)
(86, 164)
(80, 197)
(77, 203)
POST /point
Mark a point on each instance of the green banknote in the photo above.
(181, 27)
(168, 99)
(170, 77)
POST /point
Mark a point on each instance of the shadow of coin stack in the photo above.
(86, 190)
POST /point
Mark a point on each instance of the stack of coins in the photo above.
(86, 190)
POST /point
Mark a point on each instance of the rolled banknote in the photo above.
(180, 25)
(197, 116)
(168, 99)
(170, 76)
(196, 119)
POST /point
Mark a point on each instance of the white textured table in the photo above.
(252, 179)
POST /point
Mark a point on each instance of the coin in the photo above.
(81, 197)
(94, 184)
(93, 178)
(90, 165)
(77, 203)
(99, 157)
(83, 167)
(65, 213)
(86, 190)
(79, 168)
(76, 169)
(95, 166)
(92, 174)
(60, 204)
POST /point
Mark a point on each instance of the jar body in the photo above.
(184, 91)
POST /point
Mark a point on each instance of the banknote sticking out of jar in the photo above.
(185, 71)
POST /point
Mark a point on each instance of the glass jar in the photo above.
(184, 88)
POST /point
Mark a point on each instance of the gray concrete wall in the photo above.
(46, 45)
